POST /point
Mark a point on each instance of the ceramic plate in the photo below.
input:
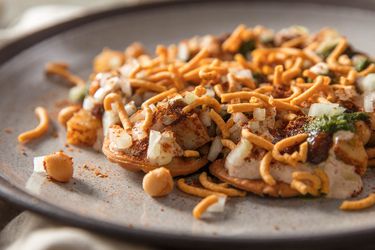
(116, 205)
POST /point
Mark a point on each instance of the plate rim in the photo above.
(22, 199)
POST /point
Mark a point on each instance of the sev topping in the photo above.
(253, 86)
(203, 179)
(202, 206)
(40, 130)
(228, 143)
(289, 142)
(191, 153)
(367, 202)
(204, 100)
(264, 169)
(220, 123)
(196, 191)
(257, 140)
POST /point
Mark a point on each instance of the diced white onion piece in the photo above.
(77, 93)
(259, 114)
(153, 107)
(100, 94)
(126, 69)
(183, 52)
(219, 206)
(39, 164)
(367, 84)
(240, 152)
(254, 126)
(175, 98)
(102, 78)
(125, 86)
(156, 153)
(205, 118)
(189, 97)
(109, 118)
(120, 140)
(137, 132)
(130, 108)
(88, 103)
(210, 92)
(319, 109)
(241, 73)
(368, 102)
(215, 149)
(320, 69)
(239, 118)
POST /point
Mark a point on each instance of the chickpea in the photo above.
(158, 182)
(66, 113)
(59, 166)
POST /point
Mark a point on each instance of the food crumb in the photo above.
(99, 174)
(96, 171)
(276, 227)
(54, 134)
(8, 130)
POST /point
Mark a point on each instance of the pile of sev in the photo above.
(249, 72)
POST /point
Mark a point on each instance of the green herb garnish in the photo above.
(361, 63)
(331, 124)
(246, 47)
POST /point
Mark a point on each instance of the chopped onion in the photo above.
(88, 103)
(130, 108)
(319, 109)
(215, 149)
(189, 97)
(320, 69)
(235, 132)
(156, 152)
(210, 92)
(120, 140)
(39, 164)
(259, 114)
(240, 152)
(183, 52)
(219, 206)
(137, 131)
(239, 118)
(205, 118)
(254, 126)
(367, 84)
(125, 86)
(368, 102)
(109, 118)
(77, 93)
(241, 73)
(152, 107)
(102, 78)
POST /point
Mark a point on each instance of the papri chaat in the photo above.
(278, 114)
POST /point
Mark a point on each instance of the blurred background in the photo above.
(19, 17)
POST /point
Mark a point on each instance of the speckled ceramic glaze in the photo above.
(116, 204)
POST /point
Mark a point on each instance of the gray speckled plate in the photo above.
(117, 205)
